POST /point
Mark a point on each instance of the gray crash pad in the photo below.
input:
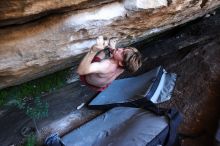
(120, 126)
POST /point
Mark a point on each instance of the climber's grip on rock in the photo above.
(98, 68)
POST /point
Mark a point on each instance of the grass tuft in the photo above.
(34, 88)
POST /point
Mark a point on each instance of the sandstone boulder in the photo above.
(20, 11)
(52, 43)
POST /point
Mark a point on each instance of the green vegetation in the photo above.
(27, 97)
(31, 89)
(38, 110)
(31, 140)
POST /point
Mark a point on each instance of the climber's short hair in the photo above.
(132, 59)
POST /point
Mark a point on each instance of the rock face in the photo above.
(49, 44)
(144, 4)
(191, 51)
(20, 11)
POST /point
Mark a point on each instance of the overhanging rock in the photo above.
(52, 43)
(144, 4)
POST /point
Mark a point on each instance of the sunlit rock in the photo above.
(52, 43)
(21, 11)
(144, 4)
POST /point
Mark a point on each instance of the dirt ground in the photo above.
(191, 51)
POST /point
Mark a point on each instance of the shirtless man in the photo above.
(98, 72)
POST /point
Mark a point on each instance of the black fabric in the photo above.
(107, 52)
(160, 139)
(53, 140)
(174, 120)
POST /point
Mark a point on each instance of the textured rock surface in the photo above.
(21, 11)
(52, 43)
(144, 4)
(192, 51)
